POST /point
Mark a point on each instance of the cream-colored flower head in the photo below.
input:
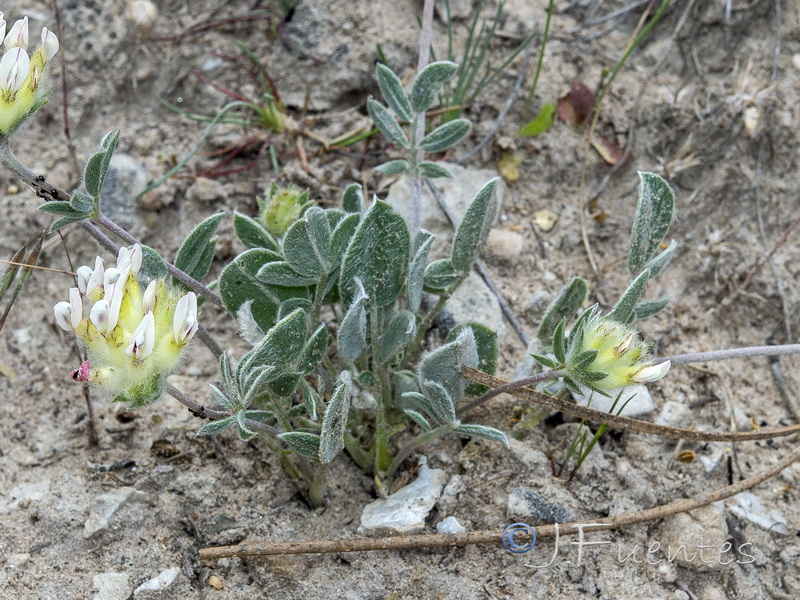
(135, 337)
(21, 90)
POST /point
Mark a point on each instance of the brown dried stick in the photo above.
(598, 416)
(494, 536)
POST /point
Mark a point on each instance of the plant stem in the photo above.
(201, 411)
(746, 352)
(181, 276)
(512, 385)
(316, 490)
(418, 126)
(421, 440)
(382, 455)
(540, 59)
(495, 536)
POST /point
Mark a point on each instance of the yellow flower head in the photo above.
(21, 93)
(135, 337)
(604, 355)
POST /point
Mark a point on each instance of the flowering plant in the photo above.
(135, 337)
(21, 92)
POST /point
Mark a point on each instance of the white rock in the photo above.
(105, 506)
(449, 526)
(457, 194)
(14, 561)
(750, 507)
(158, 583)
(405, 511)
(24, 494)
(474, 301)
(112, 586)
(636, 399)
(675, 414)
(505, 246)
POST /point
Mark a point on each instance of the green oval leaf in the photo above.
(197, 251)
(252, 234)
(334, 423)
(377, 255)
(393, 92)
(651, 221)
(474, 228)
(428, 83)
(445, 136)
(385, 121)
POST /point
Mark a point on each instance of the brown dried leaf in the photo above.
(608, 150)
(575, 106)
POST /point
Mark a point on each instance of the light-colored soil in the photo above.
(680, 102)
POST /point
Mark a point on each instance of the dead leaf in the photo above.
(576, 105)
(545, 219)
(508, 165)
(608, 150)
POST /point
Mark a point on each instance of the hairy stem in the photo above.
(512, 385)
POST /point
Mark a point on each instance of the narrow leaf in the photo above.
(352, 336)
(393, 167)
(217, 426)
(280, 273)
(280, 347)
(623, 309)
(644, 310)
(482, 431)
(252, 234)
(474, 228)
(399, 332)
(433, 170)
(416, 270)
(353, 198)
(444, 364)
(440, 275)
(656, 264)
(303, 443)
(429, 82)
(197, 251)
(314, 350)
(388, 125)
(334, 423)
(94, 173)
(651, 221)
(394, 94)
(566, 304)
(445, 136)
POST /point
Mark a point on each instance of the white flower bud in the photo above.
(98, 275)
(149, 298)
(114, 293)
(84, 274)
(50, 44)
(184, 323)
(18, 35)
(62, 312)
(14, 68)
(143, 339)
(110, 277)
(652, 372)
(99, 315)
(2, 26)
(76, 307)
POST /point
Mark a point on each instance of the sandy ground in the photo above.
(710, 101)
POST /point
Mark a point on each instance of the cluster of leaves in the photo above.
(336, 311)
(651, 222)
(85, 205)
(410, 109)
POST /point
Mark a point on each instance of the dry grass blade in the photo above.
(19, 271)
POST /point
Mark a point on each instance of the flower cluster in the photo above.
(20, 74)
(604, 355)
(135, 338)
